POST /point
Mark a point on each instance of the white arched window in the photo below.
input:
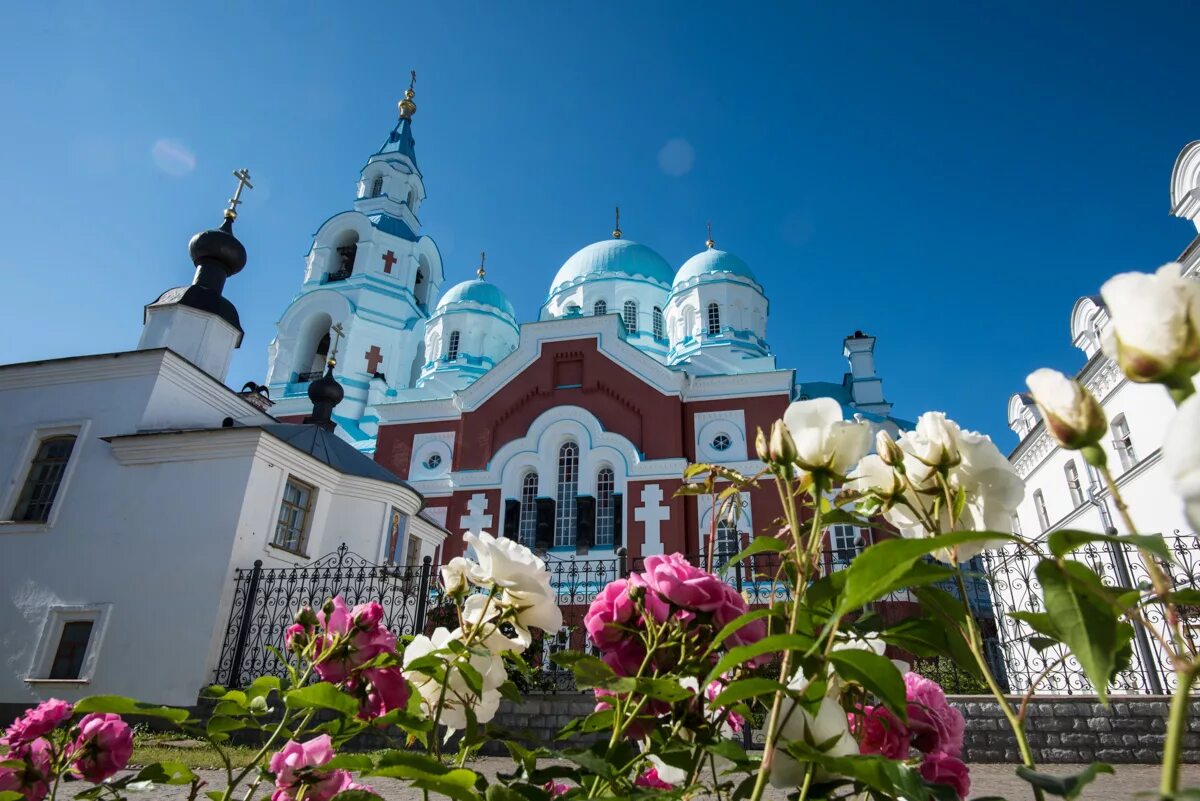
(600, 309)
(568, 488)
(1073, 485)
(1039, 506)
(345, 250)
(629, 315)
(377, 187)
(452, 346)
(657, 322)
(714, 319)
(1123, 442)
(604, 506)
(527, 522)
(728, 543)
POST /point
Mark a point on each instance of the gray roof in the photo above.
(332, 450)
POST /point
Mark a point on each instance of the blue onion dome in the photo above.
(713, 262)
(478, 291)
(613, 256)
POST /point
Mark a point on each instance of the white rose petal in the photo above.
(829, 724)
(824, 441)
(1155, 322)
(1181, 456)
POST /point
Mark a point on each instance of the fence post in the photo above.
(239, 650)
(1145, 650)
(622, 562)
(423, 595)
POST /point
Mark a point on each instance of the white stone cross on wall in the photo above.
(652, 513)
(476, 521)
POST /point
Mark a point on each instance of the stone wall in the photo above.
(1061, 729)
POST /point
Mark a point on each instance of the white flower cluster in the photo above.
(509, 590)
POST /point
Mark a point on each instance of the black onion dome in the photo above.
(326, 390)
(219, 246)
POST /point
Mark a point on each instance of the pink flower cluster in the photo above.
(343, 641)
(100, 746)
(295, 768)
(671, 589)
(934, 728)
(650, 780)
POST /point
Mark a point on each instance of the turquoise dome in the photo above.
(712, 262)
(613, 256)
(478, 291)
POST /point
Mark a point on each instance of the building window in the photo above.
(1039, 505)
(844, 540)
(657, 320)
(397, 527)
(44, 478)
(714, 319)
(433, 462)
(604, 506)
(1016, 524)
(1122, 442)
(727, 543)
(452, 346)
(630, 317)
(72, 648)
(377, 187)
(292, 528)
(600, 309)
(721, 442)
(1073, 484)
(527, 522)
(568, 488)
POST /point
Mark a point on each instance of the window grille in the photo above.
(657, 318)
(714, 319)
(292, 528)
(452, 346)
(1123, 442)
(600, 309)
(568, 488)
(527, 522)
(1039, 505)
(630, 317)
(377, 187)
(44, 478)
(1073, 484)
(604, 506)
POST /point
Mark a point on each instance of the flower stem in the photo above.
(1177, 724)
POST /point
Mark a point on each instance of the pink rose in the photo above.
(337, 619)
(555, 789)
(649, 778)
(941, 768)
(103, 747)
(655, 605)
(733, 606)
(32, 778)
(714, 689)
(368, 616)
(385, 690)
(881, 733)
(934, 724)
(677, 581)
(320, 787)
(40, 720)
(626, 657)
(294, 757)
(362, 637)
(612, 607)
(296, 637)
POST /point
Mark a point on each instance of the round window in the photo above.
(721, 442)
(433, 462)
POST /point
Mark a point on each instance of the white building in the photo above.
(136, 482)
(1063, 492)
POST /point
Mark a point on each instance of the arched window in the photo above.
(714, 319)
(1039, 505)
(1123, 442)
(317, 367)
(727, 545)
(604, 506)
(657, 319)
(630, 317)
(452, 346)
(568, 488)
(1073, 485)
(421, 281)
(343, 257)
(600, 309)
(377, 187)
(527, 522)
(412, 200)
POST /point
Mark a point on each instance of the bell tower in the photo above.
(371, 271)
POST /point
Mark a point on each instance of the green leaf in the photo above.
(767, 645)
(219, 724)
(120, 705)
(739, 621)
(357, 795)
(1064, 786)
(321, 696)
(1063, 541)
(884, 567)
(166, 773)
(746, 688)
(761, 545)
(693, 470)
(875, 673)
(11, 795)
(498, 792)
(728, 749)
(661, 689)
(426, 773)
(591, 671)
(876, 772)
(950, 612)
(1085, 621)
(351, 762)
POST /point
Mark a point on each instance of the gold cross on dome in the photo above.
(412, 83)
(243, 176)
(617, 226)
(482, 258)
(337, 337)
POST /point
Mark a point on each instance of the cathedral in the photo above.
(569, 432)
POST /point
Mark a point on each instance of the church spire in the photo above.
(617, 225)
(406, 106)
(709, 243)
(481, 272)
(401, 141)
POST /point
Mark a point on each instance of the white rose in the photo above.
(830, 724)
(458, 696)
(1072, 415)
(932, 446)
(873, 476)
(505, 563)
(824, 441)
(1155, 331)
(1181, 456)
(454, 575)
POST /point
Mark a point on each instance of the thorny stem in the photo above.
(1177, 723)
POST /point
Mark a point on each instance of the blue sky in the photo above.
(947, 177)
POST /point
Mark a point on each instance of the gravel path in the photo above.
(987, 780)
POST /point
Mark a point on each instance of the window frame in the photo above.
(566, 495)
(301, 548)
(1123, 443)
(713, 319)
(527, 516)
(845, 543)
(377, 186)
(606, 487)
(1039, 508)
(20, 472)
(57, 618)
(600, 308)
(1074, 484)
(453, 343)
(656, 318)
(629, 316)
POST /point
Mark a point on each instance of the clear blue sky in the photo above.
(948, 177)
